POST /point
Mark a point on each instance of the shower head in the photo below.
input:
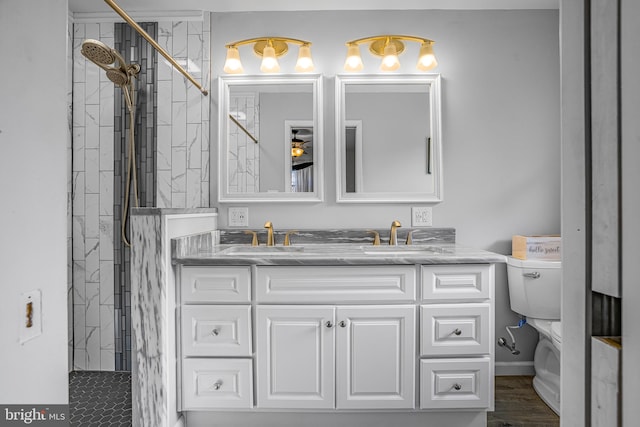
(118, 77)
(98, 52)
(103, 56)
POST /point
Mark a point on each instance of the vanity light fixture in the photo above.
(389, 47)
(296, 145)
(270, 49)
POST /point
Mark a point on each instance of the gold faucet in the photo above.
(287, 238)
(393, 234)
(254, 240)
(376, 237)
(269, 226)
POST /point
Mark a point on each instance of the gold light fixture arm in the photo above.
(233, 119)
(266, 40)
(390, 36)
(153, 43)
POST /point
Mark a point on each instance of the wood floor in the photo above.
(518, 405)
(103, 399)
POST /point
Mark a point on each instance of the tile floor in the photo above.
(103, 399)
(100, 399)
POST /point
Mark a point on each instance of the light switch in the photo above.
(30, 315)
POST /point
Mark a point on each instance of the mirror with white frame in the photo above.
(388, 142)
(270, 138)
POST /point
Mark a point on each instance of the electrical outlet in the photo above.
(421, 216)
(31, 315)
(238, 217)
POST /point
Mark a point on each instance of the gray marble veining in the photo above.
(338, 236)
(327, 247)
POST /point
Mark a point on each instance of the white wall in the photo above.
(500, 120)
(33, 179)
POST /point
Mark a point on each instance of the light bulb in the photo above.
(427, 60)
(305, 63)
(269, 61)
(390, 61)
(354, 60)
(233, 65)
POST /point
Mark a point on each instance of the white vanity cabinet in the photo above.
(456, 339)
(344, 357)
(335, 339)
(215, 337)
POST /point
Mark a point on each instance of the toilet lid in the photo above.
(556, 332)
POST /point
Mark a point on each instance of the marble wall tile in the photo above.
(79, 274)
(78, 98)
(92, 125)
(163, 148)
(181, 171)
(92, 220)
(79, 329)
(92, 170)
(163, 188)
(179, 39)
(107, 236)
(93, 347)
(78, 149)
(92, 307)
(193, 198)
(107, 360)
(79, 359)
(178, 122)
(106, 193)
(106, 288)
(106, 102)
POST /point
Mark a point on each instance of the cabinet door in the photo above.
(375, 357)
(295, 356)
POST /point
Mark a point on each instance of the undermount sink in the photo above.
(262, 250)
(403, 250)
(346, 250)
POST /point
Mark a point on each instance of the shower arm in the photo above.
(153, 43)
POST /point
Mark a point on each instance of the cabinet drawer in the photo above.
(456, 383)
(214, 330)
(215, 284)
(457, 281)
(217, 383)
(453, 329)
(335, 284)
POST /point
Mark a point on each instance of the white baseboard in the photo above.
(514, 368)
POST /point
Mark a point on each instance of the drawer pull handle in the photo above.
(329, 324)
(534, 275)
(215, 332)
(217, 385)
(457, 387)
(343, 324)
(457, 332)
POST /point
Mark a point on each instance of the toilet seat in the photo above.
(556, 334)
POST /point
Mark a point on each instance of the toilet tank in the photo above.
(534, 287)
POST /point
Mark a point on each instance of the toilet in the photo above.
(534, 292)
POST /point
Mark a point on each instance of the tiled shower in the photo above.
(172, 139)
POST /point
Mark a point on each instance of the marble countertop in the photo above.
(335, 254)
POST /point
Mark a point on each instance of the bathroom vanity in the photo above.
(328, 334)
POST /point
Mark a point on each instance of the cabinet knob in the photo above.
(343, 324)
(457, 387)
(457, 332)
(215, 332)
(217, 385)
(329, 324)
